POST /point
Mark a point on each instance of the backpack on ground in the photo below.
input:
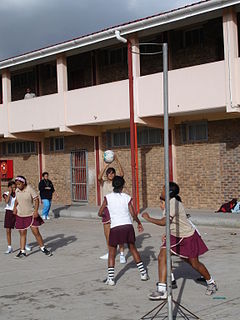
(228, 206)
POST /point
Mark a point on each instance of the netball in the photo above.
(108, 156)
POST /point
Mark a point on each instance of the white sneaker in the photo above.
(144, 277)
(48, 218)
(9, 250)
(28, 248)
(104, 257)
(162, 295)
(110, 282)
(44, 217)
(122, 259)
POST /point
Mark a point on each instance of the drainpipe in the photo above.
(131, 106)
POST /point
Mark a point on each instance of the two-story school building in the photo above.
(81, 107)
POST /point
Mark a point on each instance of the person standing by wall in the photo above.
(29, 94)
(46, 189)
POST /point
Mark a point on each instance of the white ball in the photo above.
(108, 156)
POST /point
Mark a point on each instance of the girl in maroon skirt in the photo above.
(185, 242)
(120, 208)
(26, 211)
(10, 219)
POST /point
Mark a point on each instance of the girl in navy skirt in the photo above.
(26, 211)
(185, 242)
(120, 208)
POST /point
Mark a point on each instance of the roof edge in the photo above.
(125, 29)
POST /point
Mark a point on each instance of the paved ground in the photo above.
(69, 284)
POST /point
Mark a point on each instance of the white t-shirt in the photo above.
(117, 204)
(10, 204)
(29, 95)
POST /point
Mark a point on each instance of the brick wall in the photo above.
(58, 166)
(25, 165)
(208, 173)
(151, 171)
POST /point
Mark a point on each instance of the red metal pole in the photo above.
(136, 159)
(170, 157)
(97, 170)
(40, 159)
(132, 128)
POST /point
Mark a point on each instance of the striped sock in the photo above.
(111, 273)
(141, 268)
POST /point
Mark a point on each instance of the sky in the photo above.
(27, 25)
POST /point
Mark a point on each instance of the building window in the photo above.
(193, 37)
(57, 144)
(194, 132)
(20, 147)
(145, 136)
(113, 56)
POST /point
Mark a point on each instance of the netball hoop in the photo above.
(182, 310)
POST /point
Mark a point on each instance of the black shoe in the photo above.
(174, 284)
(201, 279)
(47, 252)
(20, 255)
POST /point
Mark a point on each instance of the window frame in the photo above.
(141, 130)
(10, 148)
(52, 144)
(186, 127)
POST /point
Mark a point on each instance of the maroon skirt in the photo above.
(9, 220)
(190, 247)
(121, 234)
(106, 216)
(23, 223)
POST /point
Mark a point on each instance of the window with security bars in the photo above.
(145, 136)
(56, 144)
(194, 132)
(19, 147)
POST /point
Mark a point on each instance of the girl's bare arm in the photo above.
(103, 206)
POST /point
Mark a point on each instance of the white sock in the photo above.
(9, 247)
(211, 280)
(42, 248)
(161, 287)
(172, 276)
(23, 251)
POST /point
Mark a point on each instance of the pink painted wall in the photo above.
(102, 103)
(197, 88)
(3, 119)
(191, 89)
(36, 114)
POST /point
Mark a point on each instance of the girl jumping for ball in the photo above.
(26, 211)
(120, 209)
(107, 188)
(185, 243)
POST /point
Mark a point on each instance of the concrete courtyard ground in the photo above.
(69, 284)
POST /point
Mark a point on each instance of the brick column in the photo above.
(230, 34)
